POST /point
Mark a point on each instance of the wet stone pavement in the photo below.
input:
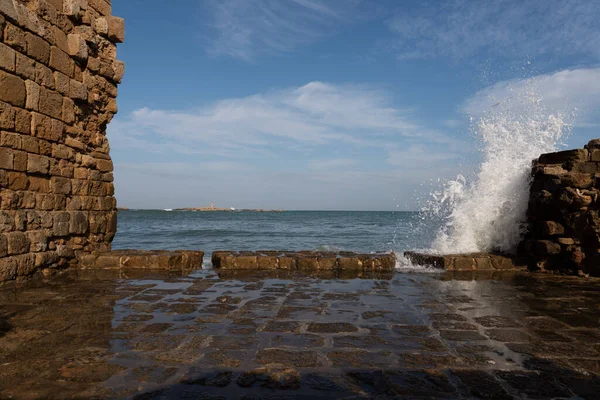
(110, 334)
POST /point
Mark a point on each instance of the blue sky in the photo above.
(333, 104)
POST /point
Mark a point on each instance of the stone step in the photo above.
(302, 260)
(143, 259)
(467, 262)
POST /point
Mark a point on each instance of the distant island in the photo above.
(213, 208)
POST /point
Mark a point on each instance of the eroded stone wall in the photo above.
(58, 89)
(564, 212)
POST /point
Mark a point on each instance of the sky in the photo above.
(334, 104)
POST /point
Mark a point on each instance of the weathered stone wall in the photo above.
(564, 207)
(58, 89)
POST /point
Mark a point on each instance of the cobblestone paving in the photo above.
(115, 335)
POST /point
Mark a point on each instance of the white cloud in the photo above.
(569, 91)
(245, 28)
(419, 157)
(521, 28)
(303, 117)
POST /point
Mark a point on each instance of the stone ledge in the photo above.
(302, 260)
(467, 262)
(143, 259)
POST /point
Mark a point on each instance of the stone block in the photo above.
(50, 103)
(61, 83)
(116, 29)
(8, 9)
(119, 68)
(547, 248)
(595, 154)
(12, 89)
(60, 185)
(25, 67)
(23, 122)
(18, 181)
(551, 228)
(17, 243)
(33, 95)
(101, 26)
(561, 157)
(7, 58)
(38, 48)
(72, 8)
(60, 61)
(6, 158)
(37, 164)
(78, 90)
(20, 161)
(102, 6)
(61, 224)
(577, 180)
(44, 76)
(7, 116)
(77, 47)
(3, 246)
(11, 140)
(79, 223)
(38, 240)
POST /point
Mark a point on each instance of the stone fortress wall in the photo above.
(58, 89)
(564, 212)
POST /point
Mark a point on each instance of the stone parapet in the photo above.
(467, 262)
(142, 259)
(563, 213)
(58, 88)
(302, 260)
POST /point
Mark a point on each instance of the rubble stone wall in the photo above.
(58, 89)
(564, 212)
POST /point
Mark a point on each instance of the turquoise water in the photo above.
(290, 230)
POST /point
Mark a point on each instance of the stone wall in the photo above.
(58, 89)
(564, 206)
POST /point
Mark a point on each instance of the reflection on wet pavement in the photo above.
(113, 335)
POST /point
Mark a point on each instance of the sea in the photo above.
(358, 231)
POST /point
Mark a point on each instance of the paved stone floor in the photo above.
(118, 335)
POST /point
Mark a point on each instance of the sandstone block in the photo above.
(79, 223)
(37, 164)
(77, 47)
(6, 158)
(595, 154)
(78, 90)
(12, 89)
(7, 116)
(15, 38)
(61, 225)
(72, 8)
(17, 242)
(33, 95)
(44, 76)
(60, 39)
(119, 68)
(116, 29)
(68, 110)
(577, 155)
(30, 144)
(38, 240)
(8, 8)
(60, 185)
(60, 61)
(38, 48)
(25, 67)
(61, 82)
(7, 58)
(20, 161)
(18, 181)
(102, 6)
(551, 228)
(577, 180)
(50, 103)
(3, 246)
(23, 122)
(101, 26)
(546, 248)
(47, 11)
(11, 140)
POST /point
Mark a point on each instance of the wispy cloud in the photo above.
(522, 28)
(304, 117)
(244, 29)
(572, 92)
